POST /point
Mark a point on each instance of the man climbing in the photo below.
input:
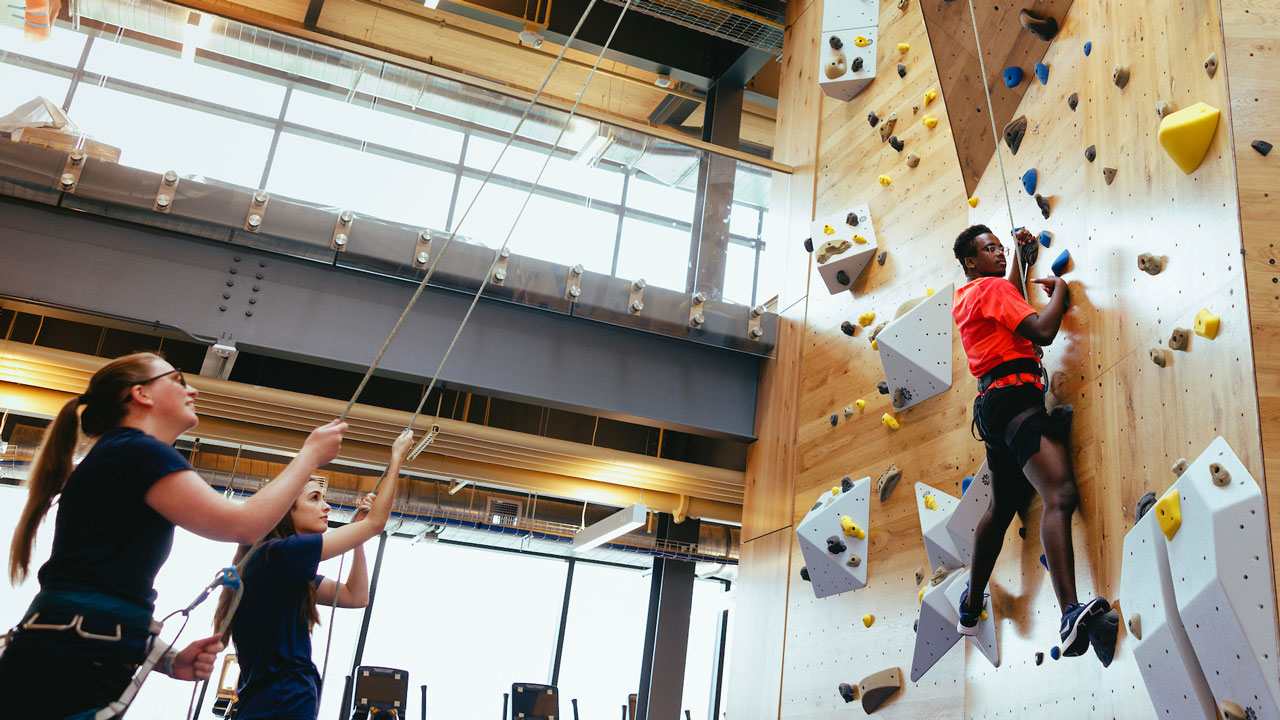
(1026, 447)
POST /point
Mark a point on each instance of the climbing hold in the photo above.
(848, 692)
(940, 572)
(851, 529)
(1151, 264)
(903, 48)
(912, 161)
(1088, 47)
(1042, 73)
(902, 70)
(1206, 324)
(920, 596)
(899, 398)
(835, 491)
(1090, 153)
(1054, 652)
(873, 118)
(1043, 28)
(915, 625)
(848, 328)
(1158, 356)
(1169, 513)
(896, 143)
(866, 318)
(1146, 502)
(887, 482)
(1108, 174)
(835, 42)
(804, 573)
(846, 482)
(902, 4)
(831, 248)
(1186, 135)
(834, 419)
(1211, 64)
(883, 387)
(1044, 562)
(1013, 133)
(1029, 181)
(861, 41)
(879, 687)
(1221, 477)
(885, 180)
(835, 67)
(1043, 203)
(1261, 146)
(853, 561)
(835, 546)
(983, 616)
(842, 277)
(964, 485)
(886, 129)
(1120, 76)
(1022, 532)
(856, 65)
(851, 219)
(1179, 339)
(828, 230)
(889, 421)
(1163, 108)
(930, 502)
(973, 202)
(930, 95)
(1012, 76)
(1233, 711)
(1135, 626)
(1060, 265)
(862, 404)
(1045, 238)
(808, 244)
(859, 239)
(868, 619)
(1039, 658)
(919, 575)
(1072, 101)
(930, 121)
(848, 413)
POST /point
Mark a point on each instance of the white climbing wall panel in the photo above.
(852, 261)
(963, 523)
(938, 543)
(915, 349)
(830, 573)
(1220, 563)
(936, 628)
(1161, 648)
(848, 20)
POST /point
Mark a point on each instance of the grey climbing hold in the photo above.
(888, 482)
(939, 574)
(1043, 203)
(1108, 174)
(1039, 658)
(1221, 477)
(848, 413)
(848, 692)
(1029, 253)
(873, 118)
(886, 127)
(1151, 264)
(1179, 467)
(816, 506)
(1158, 356)
(919, 575)
(912, 160)
(851, 219)
(856, 65)
(902, 70)
(879, 687)
(1178, 340)
(842, 277)
(1014, 132)
(1261, 146)
(848, 328)
(899, 398)
(1072, 101)
(1211, 64)
(1043, 28)
(804, 573)
(835, 42)
(846, 483)
(853, 561)
(875, 332)
(835, 546)
(1163, 108)
(1091, 153)
(1120, 76)
(883, 387)
(1145, 503)
(808, 244)
(880, 258)
(896, 143)
(834, 419)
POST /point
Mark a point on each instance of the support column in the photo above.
(666, 636)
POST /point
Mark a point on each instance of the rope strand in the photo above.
(995, 135)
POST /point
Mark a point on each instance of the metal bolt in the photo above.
(424, 236)
(170, 177)
(577, 269)
(262, 263)
(639, 284)
(699, 298)
(77, 157)
(346, 217)
(68, 180)
(500, 275)
(756, 333)
(340, 239)
(253, 301)
(233, 270)
(256, 288)
(222, 308)
(696, 320)
(575, 291)
(260, 197)
(506, 254)
(226, 296)
(230, 282)
(422, 257)
(235, 258)
(162, 201)
(637, 306)
(255, 221)
(258, 276)
(248, 313)
(757, 311)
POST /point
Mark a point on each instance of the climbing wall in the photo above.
(1132, 420)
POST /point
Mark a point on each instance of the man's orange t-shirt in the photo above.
(987, 312)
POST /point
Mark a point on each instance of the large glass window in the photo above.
(702, 661)
(604, 638)
(384, 127)
(650, 251)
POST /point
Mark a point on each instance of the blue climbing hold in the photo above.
(1088, 48)
(1045, 238)
(1042, 73)
(1060, 265)
(1045, 562)
(1029, 181)
(1012, 76)
(964, 485)
(1055, 653)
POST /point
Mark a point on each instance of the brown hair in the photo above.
(307, 613)
(105, 405)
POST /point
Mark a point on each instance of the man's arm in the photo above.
(1042, 327)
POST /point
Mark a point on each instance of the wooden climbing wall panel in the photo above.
(1133, 419)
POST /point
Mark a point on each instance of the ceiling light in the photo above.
(530, 36)
(617, 524)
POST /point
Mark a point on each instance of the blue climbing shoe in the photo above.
(968, 624)
(1074, 628)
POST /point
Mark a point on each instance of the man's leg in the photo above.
(1049, 472)
(1007, 494)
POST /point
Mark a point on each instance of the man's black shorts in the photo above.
(994, 412)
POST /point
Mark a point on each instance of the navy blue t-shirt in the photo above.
(273, 642)
(106, 538)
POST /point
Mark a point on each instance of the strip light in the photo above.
(617, 524)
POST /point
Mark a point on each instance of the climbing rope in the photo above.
(991, 114)
(333, 608)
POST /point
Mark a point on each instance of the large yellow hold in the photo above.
(851, 528)
(1206, 324)
(1169, 513)
(1186, 134)
(890, 421)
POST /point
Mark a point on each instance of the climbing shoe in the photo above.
(968, 624)
(1074, 632)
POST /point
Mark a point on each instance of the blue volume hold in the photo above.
(1088, 48)
(1042, 73)
(1012, 76)
(1045, 238)
(1060, 265)
(1029, 181)
(964, 485)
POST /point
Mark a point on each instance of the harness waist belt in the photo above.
(1023, 371)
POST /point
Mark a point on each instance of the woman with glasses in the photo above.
(88, 629)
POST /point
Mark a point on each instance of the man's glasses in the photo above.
(996, 249)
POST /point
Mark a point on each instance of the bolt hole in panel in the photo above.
(830, 573)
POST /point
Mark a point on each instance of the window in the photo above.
(22, 84)
(62, 48)
(702, 661)
(739, 273)
(382, 126)
(604, 638)
(654, 197)
(601, 182)
(659, 253)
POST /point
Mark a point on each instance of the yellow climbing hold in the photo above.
(930, 95)
(861, 41)
(851, 528)
(973, 202)
(828, 230)
(885, 180)
(861, 403)
(930, 502)
(983, 616)
(874, 346)
(835, 490)
(903, 48)
(1169, 513)
(868, 619)
(1186, 134)
(889, 421)
(1206, 324)
(859, 239)
(920, 597)
(928, 292)
(930, 121)
(866, 318)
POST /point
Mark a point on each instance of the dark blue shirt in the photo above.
(278, 680)
(106, 538)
